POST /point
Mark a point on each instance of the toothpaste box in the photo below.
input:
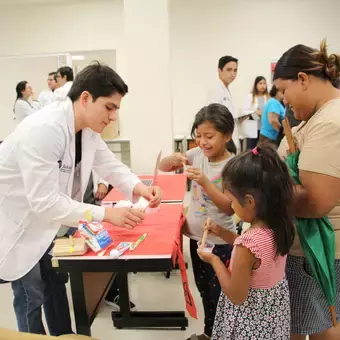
(95, 235)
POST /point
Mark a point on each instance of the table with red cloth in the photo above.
(91, 275)
(173, 186)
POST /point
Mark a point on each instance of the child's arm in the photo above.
(221, 201)
(173, 162)
(235, 285)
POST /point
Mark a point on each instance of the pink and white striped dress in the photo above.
(266, 312)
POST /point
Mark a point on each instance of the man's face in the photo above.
(228, 73)
(61, 80)
(51, 82)
(100, 113)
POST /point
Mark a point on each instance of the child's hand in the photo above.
(178, 160)
(198, 176)
(205, 256)
(213, 228)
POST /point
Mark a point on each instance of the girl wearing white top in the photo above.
(26, 102)
(254, 105)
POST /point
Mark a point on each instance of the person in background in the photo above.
(307, 77)
(26, 102)
(46, 97)
(272, 116)
(212, 129)
(65, 81)
(255, 103)
(254, 302)
(227, 73)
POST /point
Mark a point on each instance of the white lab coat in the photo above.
(45, 97)
(222, 95)
(24, 108)
(62, 92)
(251, 108)
(37, 164)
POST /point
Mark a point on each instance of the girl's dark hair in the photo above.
(301, 58)
(20, 87)
(273, 91)
(255, 92)
(264, 176)
(223, 120)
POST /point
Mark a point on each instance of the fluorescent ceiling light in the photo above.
(78, 57)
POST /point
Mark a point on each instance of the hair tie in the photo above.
(255, 151)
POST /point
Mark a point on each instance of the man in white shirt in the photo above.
(45, 97)
(65, 81)
(227, 73)
(45, 166)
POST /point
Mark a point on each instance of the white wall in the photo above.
(95, 25)
(254, 31)
(40, 29)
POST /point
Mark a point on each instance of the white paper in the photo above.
(249, 128)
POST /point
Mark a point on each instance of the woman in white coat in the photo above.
(45, 165)
(254, 106)
(25, 103)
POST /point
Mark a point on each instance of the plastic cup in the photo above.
(209, 246)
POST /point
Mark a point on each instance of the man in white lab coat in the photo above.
(227, 73)
(45, 97)
(45, 165)
(65, 81)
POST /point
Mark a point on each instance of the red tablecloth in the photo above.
(163, 233)
(163, 239)
(173, 186)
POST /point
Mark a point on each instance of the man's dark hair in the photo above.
(54, 74)
(99, 80)
(225, 60)
(66, 71)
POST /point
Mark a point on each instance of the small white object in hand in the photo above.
(208, 247)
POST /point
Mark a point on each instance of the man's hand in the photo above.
(101, 191)
(152, 194)
(123, 217)
(198, 176)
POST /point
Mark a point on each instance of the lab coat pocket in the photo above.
(9, 234)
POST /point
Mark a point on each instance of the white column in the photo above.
(143, 62)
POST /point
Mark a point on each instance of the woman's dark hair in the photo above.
(21, 86)
(255, 92)
(264, 176)
(223, 120)
(301, 58)
(273, 91)
(99, 80)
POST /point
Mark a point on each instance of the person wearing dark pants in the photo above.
(45, 165)
(42, 286)
(207, 282)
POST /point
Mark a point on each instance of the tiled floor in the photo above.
(150, 291)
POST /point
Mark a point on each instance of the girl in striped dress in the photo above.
(254, 302)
